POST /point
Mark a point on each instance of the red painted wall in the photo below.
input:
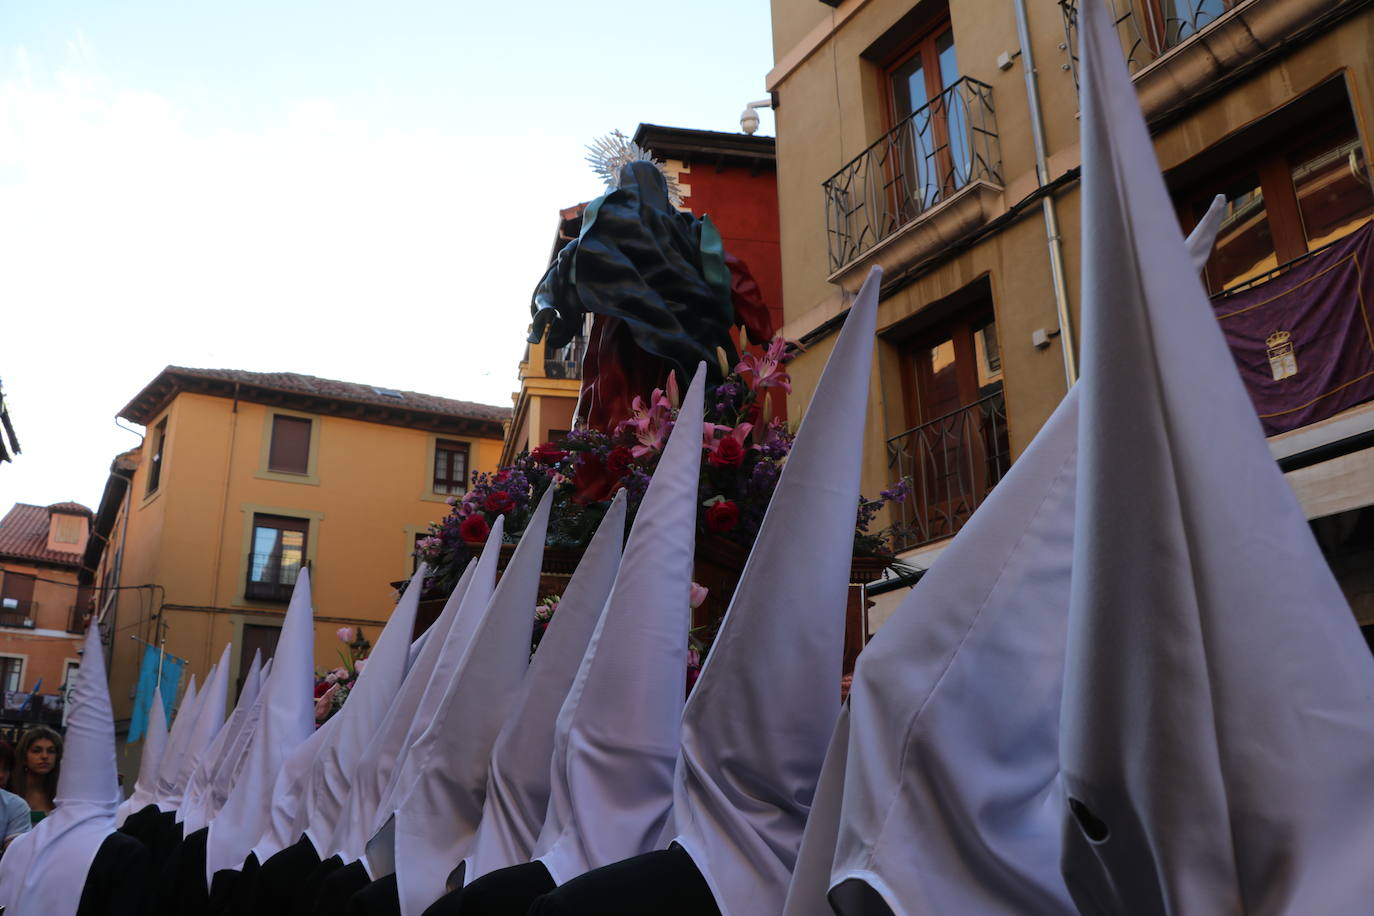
(744, 207)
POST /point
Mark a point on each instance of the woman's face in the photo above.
(42, 757)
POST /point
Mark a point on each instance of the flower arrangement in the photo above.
(744, 449)
(333, 687)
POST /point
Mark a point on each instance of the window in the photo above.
(11, 673)
(277, 557)
(67, 529)
(1294, 182)
(155, 463)
(450, 467)
(957, 447)
(290, 450)
(916, 83)
(16, 600)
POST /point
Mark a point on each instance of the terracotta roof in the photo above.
(70, 509)
(24, 535)
(390, 405)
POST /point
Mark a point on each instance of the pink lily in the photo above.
(766, 371)
(650, 423)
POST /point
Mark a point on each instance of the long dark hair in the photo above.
(21, 779)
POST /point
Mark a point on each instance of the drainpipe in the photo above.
(1067, 343)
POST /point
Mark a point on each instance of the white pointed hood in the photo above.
(806, 895)
(183, 723)
(208, 722)
(517, 795)
(617, 734)
(316, 793)
(438, 815)
(191, 813)
(407, 767)
(1217, 738)
(227, 771)
(288, 718)
(377, 764)
(755, 729)
(955, 709)
(154, 743)
(44, 871)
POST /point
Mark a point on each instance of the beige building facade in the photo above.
(911, 135)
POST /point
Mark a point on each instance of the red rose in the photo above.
(728, 453)
(499, 501)
(501, 476)
(618, 462)
(722, 516)
(548, 453)
(591, 483)
(474, 529)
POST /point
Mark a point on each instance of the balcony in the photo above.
(566, 362)
(926, 160)
(271, 577)
(1148, 28)
(15, 612)
(953, 462)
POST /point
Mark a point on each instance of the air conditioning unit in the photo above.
(28, 622)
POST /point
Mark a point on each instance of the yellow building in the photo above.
(939, 139)
(244, 478)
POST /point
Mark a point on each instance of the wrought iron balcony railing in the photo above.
(1148, 28)
(953, 462)
(566, 362)
(930, 155)
(18, 613)
(272, 576)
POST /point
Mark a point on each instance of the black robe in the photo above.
(337, 888)
(497, 893)
(181, 888)
(380, 898)
(118, 881)
(666, 883)
(274, 892)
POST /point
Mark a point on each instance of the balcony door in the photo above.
(933, 134)
(957, 447)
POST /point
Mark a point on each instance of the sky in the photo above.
(363, 191)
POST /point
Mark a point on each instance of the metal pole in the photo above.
(1067, 343)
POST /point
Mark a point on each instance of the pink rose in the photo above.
(699, 593)
(345, 634)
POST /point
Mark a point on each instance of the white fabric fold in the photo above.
(191, 813)
(618, 732)
(183, 723)
(228, 770)
(517, 794)
(44, 871)
(324, 786)
(208, 721)
(438, 815)
(806, 895)
(1217, 739)
(756, 726)
(372, 772)
(154, 744)
(377, 855)
(956, 709)
(287, 719)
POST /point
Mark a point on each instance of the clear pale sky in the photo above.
(363, 191)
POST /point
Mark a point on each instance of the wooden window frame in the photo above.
(256, 590)
(276, 459)
(924, 45)
(1268, 157)
(157, 459)
(452, 446)
(267, 472)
